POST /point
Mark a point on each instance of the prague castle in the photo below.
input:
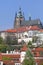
(20, 20)
(24, 30)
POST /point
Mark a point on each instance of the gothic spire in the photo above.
(20, 13)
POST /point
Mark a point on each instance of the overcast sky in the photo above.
(33, 8)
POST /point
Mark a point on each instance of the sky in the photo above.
(33, 8)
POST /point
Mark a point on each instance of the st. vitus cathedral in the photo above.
(20, 20)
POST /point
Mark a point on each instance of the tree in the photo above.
(30, 43)
(8, 40)
(1, 40)
(11, 41)
(4, 47)
(26, 62)
(15, 41)
(29, 60)
(34, 39)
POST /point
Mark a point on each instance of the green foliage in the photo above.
(1, 40)
(34, 39)
(29, 60)
(8, 40)
(11, 41)
(25, 62)
(42, 64)
(15, 42)
(4, 47)
(5, 58)
(29, 54)
(30, 43)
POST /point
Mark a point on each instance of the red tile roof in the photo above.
(34, 28)
(8, 62)
(12, 56)
(41, 30)
(24, 48)
(39, 49)
(11, 30)
(37, 52)
(0, 57)
(9, 56)
(22, 29)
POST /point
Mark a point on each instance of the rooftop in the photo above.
(23, 29)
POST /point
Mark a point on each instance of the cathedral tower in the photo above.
(19, 17)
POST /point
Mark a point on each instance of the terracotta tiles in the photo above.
(24, 48)
(22, 29)
(0, 57)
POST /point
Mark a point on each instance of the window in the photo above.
(15, 59)
(26, 36)
(3, 64)
(35, 53)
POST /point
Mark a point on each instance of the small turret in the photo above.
(15, 19)
(29, 17)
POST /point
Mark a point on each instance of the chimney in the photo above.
(6, 52)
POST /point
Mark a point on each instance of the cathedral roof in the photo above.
(31, 22)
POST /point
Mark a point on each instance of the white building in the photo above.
(23, 33)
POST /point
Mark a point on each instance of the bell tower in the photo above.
(19, 18)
